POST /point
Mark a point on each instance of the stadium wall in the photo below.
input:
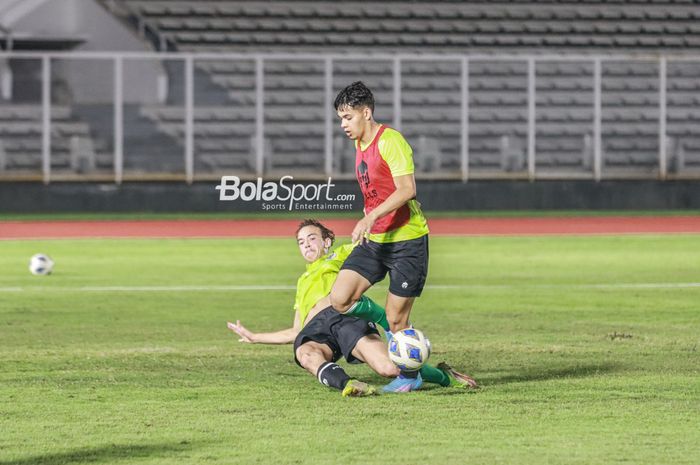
(91, 81)
(20, 197)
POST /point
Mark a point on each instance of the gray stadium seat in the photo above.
(431, 98)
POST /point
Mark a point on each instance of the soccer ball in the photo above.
(409, 349)
(40, 264)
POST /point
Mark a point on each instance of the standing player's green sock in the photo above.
(434, 375)
(369, 310)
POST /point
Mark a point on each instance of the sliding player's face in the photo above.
(311, 243)
(354, 121)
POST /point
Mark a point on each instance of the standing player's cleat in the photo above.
(355, 388)
(404, 384)
(457, 379)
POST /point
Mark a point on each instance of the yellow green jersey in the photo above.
(386, 157)
(317, 281)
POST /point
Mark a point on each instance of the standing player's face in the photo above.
(354, 121)
(311, 243)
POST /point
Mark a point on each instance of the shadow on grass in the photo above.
(105, 454)
(549, 373)
(531, 374)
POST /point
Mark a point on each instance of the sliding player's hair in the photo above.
(356, 95)
(325, 232)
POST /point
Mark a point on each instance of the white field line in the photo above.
(569, 286)
(258, 288)
(11, 289)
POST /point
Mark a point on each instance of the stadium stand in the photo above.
(72, 146)
(224, 118)
(431, 91)
(430, 26)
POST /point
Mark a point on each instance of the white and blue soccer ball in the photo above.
(409, 349)
(40, 264)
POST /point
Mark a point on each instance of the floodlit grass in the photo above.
(586, 347)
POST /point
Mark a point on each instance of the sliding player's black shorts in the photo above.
(405, 261)
(337, 331)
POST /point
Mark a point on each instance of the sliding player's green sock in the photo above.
(434, 375)
(369, 310)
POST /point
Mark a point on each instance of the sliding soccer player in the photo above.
(322, 336)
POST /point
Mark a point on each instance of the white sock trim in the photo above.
(320, 372)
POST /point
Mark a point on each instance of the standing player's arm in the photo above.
(284, 336)
(405, 191)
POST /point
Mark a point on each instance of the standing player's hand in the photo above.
(242, 331)
(362, 228)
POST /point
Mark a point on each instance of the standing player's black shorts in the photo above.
(337, 331)
(405, 261)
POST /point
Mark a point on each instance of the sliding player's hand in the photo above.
(242, 331)
(362, 229)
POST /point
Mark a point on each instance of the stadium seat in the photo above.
(431, 91)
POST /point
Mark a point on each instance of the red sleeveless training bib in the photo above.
(377, 184)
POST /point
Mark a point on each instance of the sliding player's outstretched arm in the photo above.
(284, 336)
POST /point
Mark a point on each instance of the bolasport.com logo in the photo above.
(284, 194)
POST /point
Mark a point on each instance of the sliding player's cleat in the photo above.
(355, 388)
(457, 379)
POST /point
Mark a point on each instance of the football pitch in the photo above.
(586, 348)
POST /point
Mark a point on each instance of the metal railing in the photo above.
(188, 59)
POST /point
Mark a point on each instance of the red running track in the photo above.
(343, 227)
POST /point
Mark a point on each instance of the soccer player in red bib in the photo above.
(393, 234)
(321, 335)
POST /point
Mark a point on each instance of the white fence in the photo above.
(463, 168)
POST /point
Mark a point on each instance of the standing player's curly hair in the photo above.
(356, 95)
(325, 232)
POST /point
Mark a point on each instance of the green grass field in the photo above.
(586, 347)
